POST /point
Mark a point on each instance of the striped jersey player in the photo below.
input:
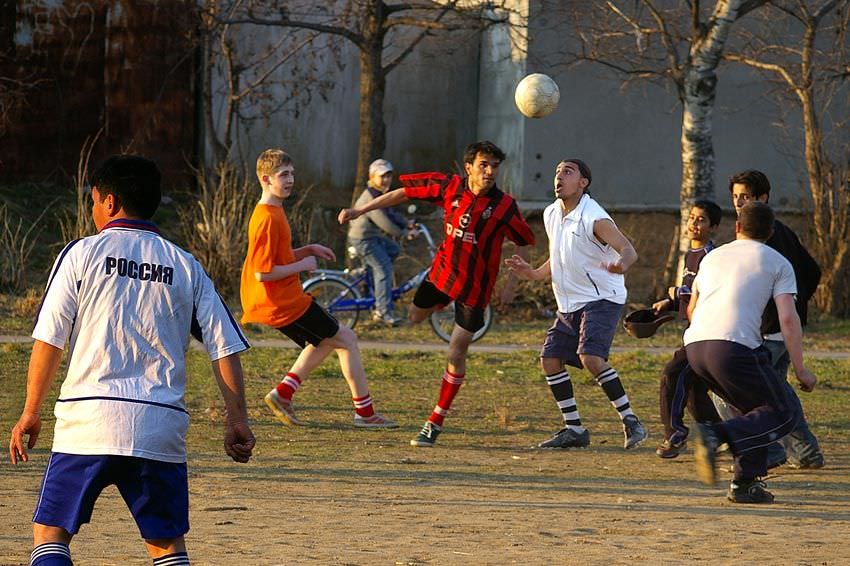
(477, 219)
(125, 302)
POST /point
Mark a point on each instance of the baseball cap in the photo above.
(380, 166)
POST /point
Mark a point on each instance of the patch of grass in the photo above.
(505, 403)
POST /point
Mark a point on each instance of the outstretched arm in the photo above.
(391, 198)
(307, 263)
(318, 250)
(44, 362)
(524, 270)
(606, 231)
(238, 439)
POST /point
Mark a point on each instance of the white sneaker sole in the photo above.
(390, 424)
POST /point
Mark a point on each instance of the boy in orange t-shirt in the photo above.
(271, 294)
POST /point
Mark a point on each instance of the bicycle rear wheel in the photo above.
(338, 298)
(443, 322)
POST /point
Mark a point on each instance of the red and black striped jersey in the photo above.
(468, 260)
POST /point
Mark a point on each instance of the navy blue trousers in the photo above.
(746, 379)
(679, 388)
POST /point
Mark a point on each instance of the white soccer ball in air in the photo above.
(537, 95)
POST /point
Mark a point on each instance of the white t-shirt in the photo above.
(734, 284)
(576, 256)
(126, 300)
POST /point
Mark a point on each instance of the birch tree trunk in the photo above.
(699, 87)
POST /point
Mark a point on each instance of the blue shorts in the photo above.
(157, 493)
(588, 331)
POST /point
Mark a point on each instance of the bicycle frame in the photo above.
(362, 277)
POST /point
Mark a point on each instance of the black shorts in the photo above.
(315, 325)
(428, 296)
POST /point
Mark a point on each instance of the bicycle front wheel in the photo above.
(338, 298)
(443, 322)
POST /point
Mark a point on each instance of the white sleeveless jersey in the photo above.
(127, 300)
(576, 257)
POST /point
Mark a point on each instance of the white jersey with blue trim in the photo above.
(126, 301)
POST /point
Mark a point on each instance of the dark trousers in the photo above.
(680, 388)
(745, 378)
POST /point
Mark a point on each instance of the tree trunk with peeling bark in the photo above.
(698, 89)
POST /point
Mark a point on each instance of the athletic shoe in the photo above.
(427, 436)
(776, 463)
(705, 453)
(567, 438)
(670, 449)
(752, 492)
(375, 421)
(633, 431)
(814, 462)
(388, 319)
(282, 408)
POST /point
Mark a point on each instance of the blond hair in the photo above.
(270, 161)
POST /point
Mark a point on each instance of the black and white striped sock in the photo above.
(562, 388)
(610, 382)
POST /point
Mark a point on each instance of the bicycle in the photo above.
(339, 292)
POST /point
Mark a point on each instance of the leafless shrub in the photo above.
(78, 222)
(215, 225)
(16, 246)
(27, 304)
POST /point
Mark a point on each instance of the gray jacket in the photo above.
(376, 223)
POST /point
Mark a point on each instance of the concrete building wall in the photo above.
(429, 111)
(631, 137)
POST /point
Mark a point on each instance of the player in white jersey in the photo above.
(724, 348)
(125, 301)
(588, 256)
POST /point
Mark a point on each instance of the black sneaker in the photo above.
(567, 438)
(670, 448)
(814, 462)
(427, 436)
(705, 453)
(633, 431)
(752, 492)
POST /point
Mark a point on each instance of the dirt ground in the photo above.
(386, 503)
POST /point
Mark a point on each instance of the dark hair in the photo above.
(711, 208)
(484, 147)
(756, 219)
(583, 168)
(755, 180)
(134, 182)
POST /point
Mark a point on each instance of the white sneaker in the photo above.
(375, 421)
(388, 319)
(282, 408)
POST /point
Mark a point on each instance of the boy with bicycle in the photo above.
(271, 294)
(372, 236)
(478, 217)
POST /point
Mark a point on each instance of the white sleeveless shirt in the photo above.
(576, 256)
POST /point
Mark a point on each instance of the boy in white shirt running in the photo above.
(724, 348)
(588, 256)
(126, 301)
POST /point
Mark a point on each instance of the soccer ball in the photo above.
(536, 95)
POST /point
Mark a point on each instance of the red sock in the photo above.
(363, 406)
(448, 389)
(288, 386)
